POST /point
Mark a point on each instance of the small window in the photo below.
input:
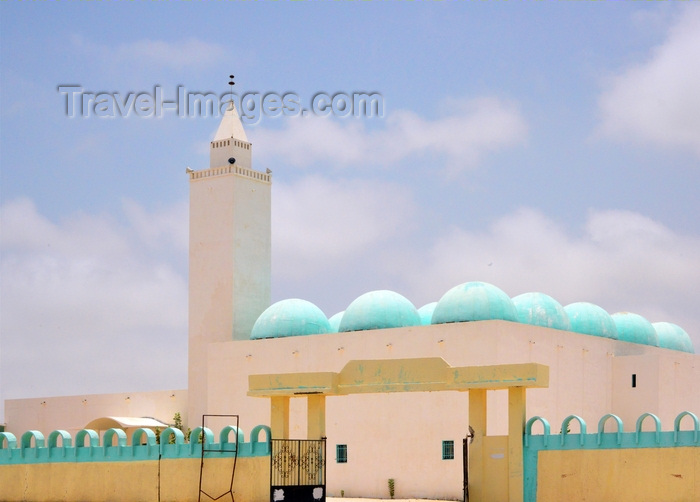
(634, 380)
(341, 453)
(448, 450)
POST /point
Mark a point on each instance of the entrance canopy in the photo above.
(399, 375)
(416, 375)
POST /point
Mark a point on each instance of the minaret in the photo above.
(229, 274)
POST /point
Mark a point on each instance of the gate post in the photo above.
(477, 419)
(316, 416)
(516, 428)
(279, 417)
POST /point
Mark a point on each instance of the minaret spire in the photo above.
(230, 141)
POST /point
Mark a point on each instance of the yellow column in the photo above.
(279, 417)
(516, 428)
(316, 416)
(477, 419)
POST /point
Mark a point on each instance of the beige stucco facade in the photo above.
(399, 436)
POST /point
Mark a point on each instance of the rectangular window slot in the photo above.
(448, 450)
(634, 380)
(341, 453)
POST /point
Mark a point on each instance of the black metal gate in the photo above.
(298, 470)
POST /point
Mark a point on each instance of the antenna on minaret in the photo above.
(231, 83)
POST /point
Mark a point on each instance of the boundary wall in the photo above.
(644, 465)
(63, 468)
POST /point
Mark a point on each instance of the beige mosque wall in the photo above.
(666, 384)
(679, 383)
(400, 436)
(581, 366)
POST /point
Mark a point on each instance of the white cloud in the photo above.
(189, 53)
(319, 223)
(470, 130)
(164, 227)
(90, 296)
(621, 261)
(87, 296)
(333, 240)
(658, 100)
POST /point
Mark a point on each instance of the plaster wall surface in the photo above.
(174, 480)
(400, 436)
(679, 385)
(624, 475)
(73, 413)
(665, 383)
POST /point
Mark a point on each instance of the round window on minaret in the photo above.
(231, 160)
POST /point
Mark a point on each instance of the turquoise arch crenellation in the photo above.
(108, 440)
(26, 442)
(640, 423)
(601, 427)
(601, 440)
(87, 446)
(225, 434)
(677, 425)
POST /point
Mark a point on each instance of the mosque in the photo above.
(398, 392)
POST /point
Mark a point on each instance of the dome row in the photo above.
(471, 301)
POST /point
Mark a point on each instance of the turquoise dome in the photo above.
(474, 301)
(426, 313)
(673, 337)
(335, 321)
(292, 317)
(539, 309)
(590, 319)
(379, 310)
(634, 328)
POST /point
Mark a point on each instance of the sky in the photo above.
(538, 146)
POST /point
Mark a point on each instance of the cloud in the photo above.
(88, 296)
(165, 227)
(620, 260)
(334, 240)
(320, 223)
(657, 101)
(468, 131)
(189, 53)
(89, 304)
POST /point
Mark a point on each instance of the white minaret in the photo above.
(230, 142)
(229, 275)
